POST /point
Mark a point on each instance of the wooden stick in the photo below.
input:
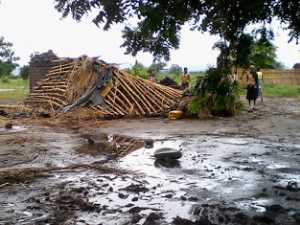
(116, 97)
(132, 98)
(50, 98)
(114, 105)
(113, 109)
(152, 98)
(66, 64)
(144, 97)
(141, 99)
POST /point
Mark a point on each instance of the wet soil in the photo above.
(243, 170)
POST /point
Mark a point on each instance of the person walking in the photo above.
(252, 84)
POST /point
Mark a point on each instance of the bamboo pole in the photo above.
(127, 89)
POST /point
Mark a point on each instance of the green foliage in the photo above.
(159, 22)
(217, 93)
(5, 79)
(7, 58)
(139, 70)
(263, 55)
(6, 68)
(24, 72)
(197, 104)
(259, 52)
(6, 52)
(244, 49)
(281, 90)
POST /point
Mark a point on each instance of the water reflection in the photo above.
(167, 163)
(115, 145)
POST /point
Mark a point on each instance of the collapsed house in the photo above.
(102, 87)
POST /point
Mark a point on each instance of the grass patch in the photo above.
(20, 91)
(14, 84)
(281, 90)
(177, 77)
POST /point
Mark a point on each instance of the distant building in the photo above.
(297, 66)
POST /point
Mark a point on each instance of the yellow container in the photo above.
(175, 115)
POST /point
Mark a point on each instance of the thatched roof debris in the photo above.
(89, 82)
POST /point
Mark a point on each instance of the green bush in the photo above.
(217, 93)
(5, 79)
(24, 72)
(139, 70)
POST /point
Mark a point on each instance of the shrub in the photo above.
(24, 72)
(217, 93)
(5, 79)
(139, 70)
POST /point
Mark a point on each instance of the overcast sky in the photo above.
(34, 25)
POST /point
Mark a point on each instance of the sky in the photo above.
(35, 26)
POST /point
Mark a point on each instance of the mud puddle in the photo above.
(256, 179)
(112, 179)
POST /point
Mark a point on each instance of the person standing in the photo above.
(252, 84)
(185, 78)
(260, 84)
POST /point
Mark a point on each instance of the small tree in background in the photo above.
(7, 58)
(24, 72)
(263, 55)
(139, 70)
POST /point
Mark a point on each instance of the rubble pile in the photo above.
(103, 88)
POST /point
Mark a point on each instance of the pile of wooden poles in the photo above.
(125, 95)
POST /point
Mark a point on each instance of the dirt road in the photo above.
(243, 170)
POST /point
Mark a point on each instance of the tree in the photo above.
(260, 52)
(7, 58)
(139, 70)
(263, 55)
(6, 52)
(24, 72)
(159, 22)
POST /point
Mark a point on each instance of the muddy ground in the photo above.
(243, 170)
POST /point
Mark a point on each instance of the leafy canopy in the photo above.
(7, 58)
(260, 52)
(6, 52)
(159, 22)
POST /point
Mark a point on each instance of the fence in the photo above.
(286, 77)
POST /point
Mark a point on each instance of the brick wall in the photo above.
(37, 72)
(287, 77)
(39, 67)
